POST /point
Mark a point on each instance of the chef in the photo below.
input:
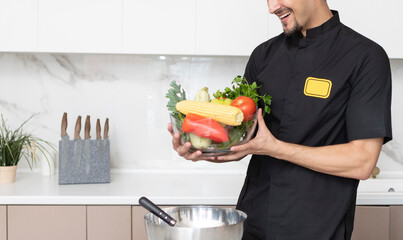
(331, 97)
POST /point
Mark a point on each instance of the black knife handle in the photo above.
(150, 206)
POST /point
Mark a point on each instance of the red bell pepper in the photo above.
(204, 127)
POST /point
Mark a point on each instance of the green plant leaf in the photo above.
(15, 144)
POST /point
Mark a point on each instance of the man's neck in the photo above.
(321, 16)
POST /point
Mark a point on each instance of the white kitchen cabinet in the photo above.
(179, 27)
(159, 26)
(230, 27)
(93, 26)
(275, 26)
(365, 17)
(378, 20)
(18, 25)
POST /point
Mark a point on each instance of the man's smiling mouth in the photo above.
(284, 15)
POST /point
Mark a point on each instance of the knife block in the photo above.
(84, 161)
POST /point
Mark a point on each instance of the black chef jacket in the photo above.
(331, 87)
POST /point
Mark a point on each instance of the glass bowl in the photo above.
(238, 135)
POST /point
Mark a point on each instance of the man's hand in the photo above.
(264, 143)
(183, 150)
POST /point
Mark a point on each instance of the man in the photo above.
(331, 96)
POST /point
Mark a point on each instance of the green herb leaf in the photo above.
(175, 95)
(241, 87)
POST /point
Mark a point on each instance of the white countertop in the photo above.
(164, 188)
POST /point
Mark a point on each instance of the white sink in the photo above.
(380, 191)
(381, 185)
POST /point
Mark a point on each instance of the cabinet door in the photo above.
(365, 17)
(3, 222)
(18, 25)
(396, 221)
(230, 27)
(138, 228)
(159, 26)
(109, 222)
(46, 222)
(93, 26)
(371, 223)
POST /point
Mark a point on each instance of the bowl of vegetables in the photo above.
(214, 125)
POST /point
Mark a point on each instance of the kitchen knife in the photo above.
(106, 129)
(87, 128)
(98, 129)
(64, 125)
(77, 128)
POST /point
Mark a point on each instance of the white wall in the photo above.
(130, 90)
(391, 158)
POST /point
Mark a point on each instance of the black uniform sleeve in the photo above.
(251, 69)
(368, 113)
(258, 58)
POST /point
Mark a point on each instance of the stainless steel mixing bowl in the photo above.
(197, 223)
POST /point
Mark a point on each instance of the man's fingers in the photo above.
(240, 148)
(170, 129)
(260, 119)
(184, 149)
(176, 141)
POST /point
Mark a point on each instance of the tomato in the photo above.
(204, 127)
(247, 106)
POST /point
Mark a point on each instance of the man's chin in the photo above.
(288, 31)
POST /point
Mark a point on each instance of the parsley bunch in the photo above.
(240, 87)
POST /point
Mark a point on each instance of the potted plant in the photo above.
(15, 145)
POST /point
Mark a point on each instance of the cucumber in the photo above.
(198, 142)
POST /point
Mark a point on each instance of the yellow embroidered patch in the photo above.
(317, 87)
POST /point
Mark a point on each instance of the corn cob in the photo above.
(228, 115)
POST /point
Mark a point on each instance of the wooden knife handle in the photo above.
(106, 129)
(98, 129)
(64, 125)
(87, 128)
(77, 129)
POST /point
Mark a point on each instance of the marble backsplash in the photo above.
(130, 91)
